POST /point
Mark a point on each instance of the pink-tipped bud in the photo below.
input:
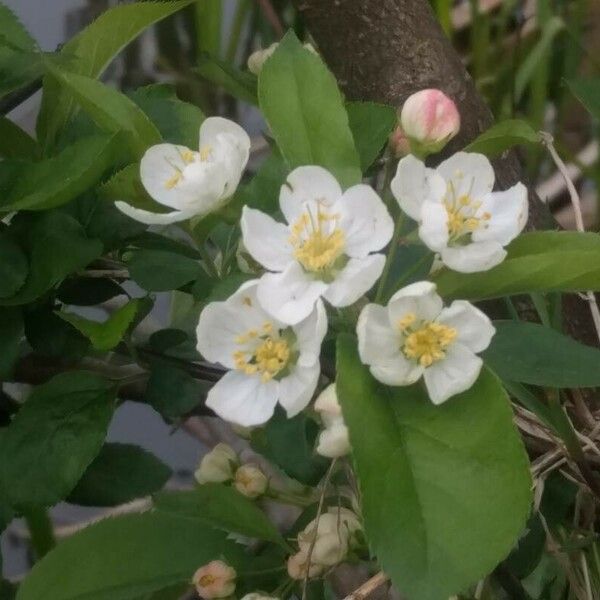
(215, 580)
(429, 120)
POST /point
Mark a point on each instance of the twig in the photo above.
(271, 16)
(368, 587)
(548, 140)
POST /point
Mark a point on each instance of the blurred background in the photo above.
(520, 53)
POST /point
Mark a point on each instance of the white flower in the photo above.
(271, 362)
(458, 214)
(333, 440)
(193, 182)
(215, 580)
(414, 336)
(325, 248)
(250, 481)
(217, 466)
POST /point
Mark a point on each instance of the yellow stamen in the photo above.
(429, 342)
(187, 156)
(207, 580)
(205, 153)
(173, 181)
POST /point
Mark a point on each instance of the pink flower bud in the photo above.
(250, 481)
(399, 143)
(429, 119)
(215, 580)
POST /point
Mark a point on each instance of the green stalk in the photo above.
(41, 530)
(241, 14)
(208, 26)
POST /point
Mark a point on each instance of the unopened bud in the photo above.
(215, 580)
(217, 466)
(429, 120)
(250, 481)
(297, 566)
(333, 440)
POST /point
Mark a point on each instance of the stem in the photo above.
(288, 498)
(367, 588)
(208, 261)
(241, 13)
(390, 257)
(41, 530)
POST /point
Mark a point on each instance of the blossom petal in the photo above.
(265, 239)
(508, 215)
(365, 221)
(474, 328)
(152, 218)
(413, 184)
(469, 173)
(377, 339)
(291, 295)
(433, 229)
(355, 279)
(398, 370)
(310, 334)
(454, 374)
(307, 185)
(474, 257)
(420, 299)
(213, 127)
(243, 399)
(297, 389)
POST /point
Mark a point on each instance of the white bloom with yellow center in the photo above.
(270, 361)
(414, 336)
(325, 248)
(193, 182)
(459, 215)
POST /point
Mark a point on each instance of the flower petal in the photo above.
(309, 184)
(474, 257)
(377, 339)
(469, 173)
(152, 218)
(474, 328)
(309, 335)
(265, 239)
(297, 389)
(433, 229)
(243, 399)
(508, 215)
(398, 370)
(289, 296)
(413, 184)
(420, 299)
(355, 279)
(454, 374)
(365, 221)
(214, 127)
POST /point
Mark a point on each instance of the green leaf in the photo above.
(111, 110)
(536, 262)
(57, 180)
(371, 125)
(502, 136)
(160, 271)
(587, 91)
(70, 251)
(445, 489)
(15, 143)
(105, 335)
(54, 437)
(303, 106)
(222, 507)
(178, 122)
(12, 32)
(13, 266)
(11, 333)
(289, 444)
(125, 557)
(95, 47)
(88, 291)
(537, 355)
(119, 474)
(239, 84)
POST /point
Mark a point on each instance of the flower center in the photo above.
(317, 240)
(207, 580)
(266, 353)
(427, 341)
(463, 214)
(188, 157)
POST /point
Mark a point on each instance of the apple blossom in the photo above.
(217, 466)
(324, 250)
(414, 336)
(250, 481)
(459, 215)
(193, 182)
(333, 440)
(428, 121)
(270, 361)
(215, 580)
